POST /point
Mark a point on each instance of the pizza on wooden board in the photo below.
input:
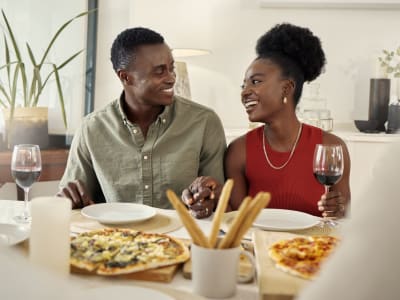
(123, 251)
(302, 256)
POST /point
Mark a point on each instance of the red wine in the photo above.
(327, 178)
(25, 178)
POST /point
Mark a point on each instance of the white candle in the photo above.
(49, 243)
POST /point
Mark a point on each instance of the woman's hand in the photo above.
(332, 205)
(201, 196)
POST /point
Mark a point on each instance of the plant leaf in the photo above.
(24, 84)
(58, 33)
(69, 59)
(4, 92)
(34, 75)
(7, 54)
(14, 91)
(11, 34)
(31, 56)
(60, 95)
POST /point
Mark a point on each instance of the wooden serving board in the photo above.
(163, 274)
(273, 283)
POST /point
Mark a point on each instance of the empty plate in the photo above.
(283, 219)
(118, 212)
(11, 234)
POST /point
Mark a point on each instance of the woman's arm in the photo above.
(336, 202)
(235, 168)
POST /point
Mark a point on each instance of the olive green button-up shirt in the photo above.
(110, 155)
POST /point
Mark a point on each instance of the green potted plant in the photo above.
(390, 62)
(22, 81)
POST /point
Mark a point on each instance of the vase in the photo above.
(29, 125)
(379, 95)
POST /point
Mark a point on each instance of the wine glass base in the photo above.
(22, 219)
(328, 223)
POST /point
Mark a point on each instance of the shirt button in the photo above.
(134, 130)
(145, 157)
(163, 120)
(146, 187)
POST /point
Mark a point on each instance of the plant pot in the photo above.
(28, 126)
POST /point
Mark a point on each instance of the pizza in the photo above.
(302, 256)
(121, 251)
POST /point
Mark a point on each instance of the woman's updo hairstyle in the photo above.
(296, 50)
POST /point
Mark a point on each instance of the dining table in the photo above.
(269, 282)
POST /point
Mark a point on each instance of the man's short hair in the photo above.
(125, 44)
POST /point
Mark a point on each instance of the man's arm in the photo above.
(79, 182)
(202, 195)
(213, 150)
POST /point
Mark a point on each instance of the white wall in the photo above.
(352, 40)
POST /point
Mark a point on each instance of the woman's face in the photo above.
(263, 91)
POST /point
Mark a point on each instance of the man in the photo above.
(146, 141)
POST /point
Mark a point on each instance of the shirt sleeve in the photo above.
(79, 166)
(213, 149)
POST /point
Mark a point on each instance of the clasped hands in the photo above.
(202, 196)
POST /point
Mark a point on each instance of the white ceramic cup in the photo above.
(215, 271)
(49, 242)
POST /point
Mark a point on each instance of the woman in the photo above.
(278, 156)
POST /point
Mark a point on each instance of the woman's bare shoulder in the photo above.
(329, 138)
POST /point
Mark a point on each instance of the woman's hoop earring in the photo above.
(284, 100)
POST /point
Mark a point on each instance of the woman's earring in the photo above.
(284, 100)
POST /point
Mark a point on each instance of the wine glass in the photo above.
(328, 169)
(26, 165)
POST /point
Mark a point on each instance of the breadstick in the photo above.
(191, 226)
(221, 207)
(259, 203)
(232, 231)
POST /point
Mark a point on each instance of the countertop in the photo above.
(345, 130)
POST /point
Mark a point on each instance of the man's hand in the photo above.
(332, 204)
(76, 191)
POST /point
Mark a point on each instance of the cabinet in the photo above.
(365, 152)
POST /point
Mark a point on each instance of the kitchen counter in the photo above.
(347, 131)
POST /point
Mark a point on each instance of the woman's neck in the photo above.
(282, 134)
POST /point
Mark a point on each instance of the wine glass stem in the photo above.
(26, 200)
(326, 189)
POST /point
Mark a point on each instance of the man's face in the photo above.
(151, 75)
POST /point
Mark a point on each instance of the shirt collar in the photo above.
(164, 118)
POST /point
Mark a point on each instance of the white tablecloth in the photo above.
(179, 288)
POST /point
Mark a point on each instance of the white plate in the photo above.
(123, 292)
(118, 212)
(283, 219)
(11, 234)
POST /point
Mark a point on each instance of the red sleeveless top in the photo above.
(293, 187)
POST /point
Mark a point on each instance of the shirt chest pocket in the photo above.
(179, 170)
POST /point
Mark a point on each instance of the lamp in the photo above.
(182, 85)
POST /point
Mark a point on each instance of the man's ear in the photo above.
(124, 77)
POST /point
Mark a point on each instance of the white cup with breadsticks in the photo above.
(223, 252)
